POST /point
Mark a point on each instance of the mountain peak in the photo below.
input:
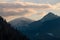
(20, 21)
(50, 13)
(49, 16)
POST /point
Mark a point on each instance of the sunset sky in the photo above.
(32, 9)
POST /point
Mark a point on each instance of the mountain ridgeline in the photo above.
(20, 23)
(48, 28)
(9, 33)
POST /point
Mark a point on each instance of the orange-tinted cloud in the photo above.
(26, 9)
(22, 8)
(57, 6)
(25, 5)
(14, 9)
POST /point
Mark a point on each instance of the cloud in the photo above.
(57, 9)
(1, 0)
(57, 6)
(30, 12)
(13, 9)
(17, 11)
(26, 9)
(9, 18)
(25, 5)
(21, 8)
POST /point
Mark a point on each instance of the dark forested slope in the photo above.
(9, 33)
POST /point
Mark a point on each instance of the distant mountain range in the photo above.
(21, 23)
(48, 28)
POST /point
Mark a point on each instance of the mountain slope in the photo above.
(52, 26)
(50, 30)
(44, 29)
(36, 29)
(49, 16)
(20, 21)
(9, 33)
